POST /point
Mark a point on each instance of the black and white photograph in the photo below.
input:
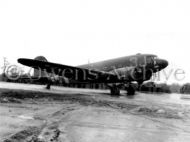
(94, 71)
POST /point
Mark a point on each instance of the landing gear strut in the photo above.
(49, 82)
(139, 85)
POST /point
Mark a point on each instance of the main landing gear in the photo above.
(130, 89)
(115, 89)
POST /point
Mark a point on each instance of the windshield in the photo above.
(151, 59)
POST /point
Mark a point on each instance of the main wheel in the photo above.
(130, 90)
(115, 91)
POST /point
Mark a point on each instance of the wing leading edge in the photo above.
(71, 72)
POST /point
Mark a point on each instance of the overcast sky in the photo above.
(75, 31)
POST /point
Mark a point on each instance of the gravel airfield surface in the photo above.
(29, 113)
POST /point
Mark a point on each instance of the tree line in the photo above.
(145, 87)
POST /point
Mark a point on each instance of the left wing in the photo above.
(71, 72)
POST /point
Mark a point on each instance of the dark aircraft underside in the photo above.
(115, 73)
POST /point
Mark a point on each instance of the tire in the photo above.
(115, 91)
(130, 90)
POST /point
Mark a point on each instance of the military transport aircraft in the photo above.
(115, 73)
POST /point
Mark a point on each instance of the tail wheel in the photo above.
(48, 86)
(49, 82)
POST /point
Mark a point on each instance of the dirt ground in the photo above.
(29, 113)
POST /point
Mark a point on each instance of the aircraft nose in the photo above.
(162, 63)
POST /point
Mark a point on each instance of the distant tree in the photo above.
(175, 88)
(153, 87)
(3, 77)
(148, 87)
(185, 89)
(164, 88)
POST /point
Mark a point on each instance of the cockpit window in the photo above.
(151, 59)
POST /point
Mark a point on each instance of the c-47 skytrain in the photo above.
(115, 73)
